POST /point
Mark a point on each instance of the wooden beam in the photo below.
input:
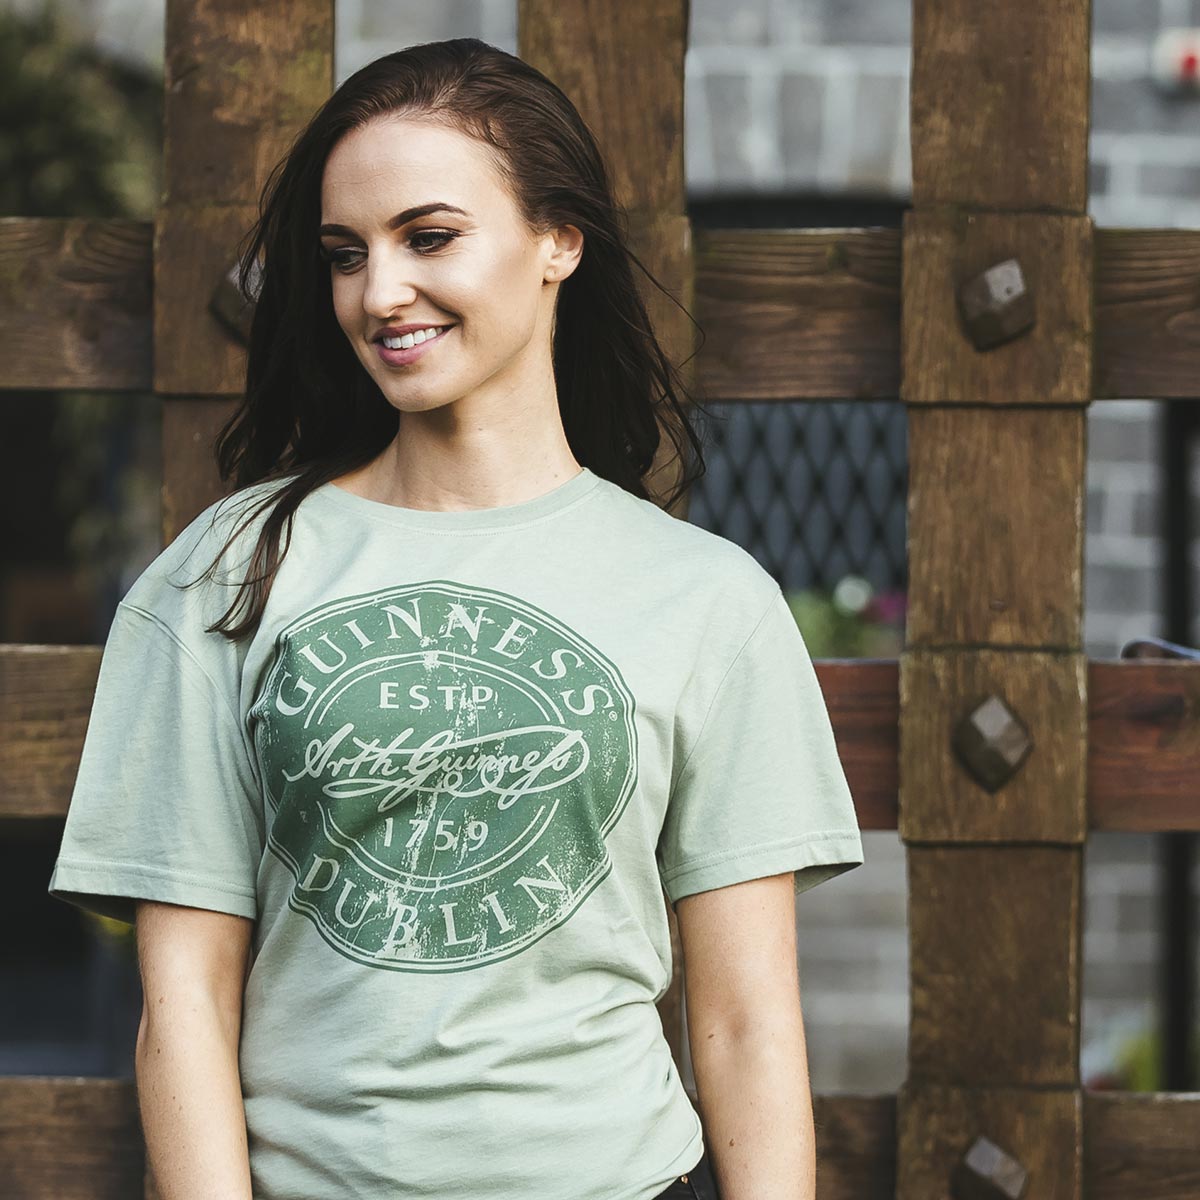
(1147, 307)
(240, 83)
(1141, 1145)
(77, 303)
(70, 1139)
(1143, 736)
(788, 314)
(999, 104)
(793, 314)
(80, 1139)
(992, 675)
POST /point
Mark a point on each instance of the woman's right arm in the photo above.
(193, 965)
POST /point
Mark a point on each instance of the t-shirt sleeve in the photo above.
(761, 790)
(165, 800)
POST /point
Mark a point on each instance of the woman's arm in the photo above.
(193, 964)
(746, 1036)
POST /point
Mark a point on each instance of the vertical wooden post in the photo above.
(996, 374)
(622, 66)
(240, 82)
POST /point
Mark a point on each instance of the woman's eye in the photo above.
(444, 236)
(337, 257)
(344, 258)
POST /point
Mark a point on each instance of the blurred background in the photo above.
(796, 116)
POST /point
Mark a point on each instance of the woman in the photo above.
(396, 838)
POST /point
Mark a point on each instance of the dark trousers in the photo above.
(697, 1184)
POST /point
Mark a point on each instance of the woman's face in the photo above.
(469, 266)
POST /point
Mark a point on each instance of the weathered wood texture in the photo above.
(788, 314)
(69, 1139)
(793, 314)
(75, 303)
(999, 104)
(1147, 313)
(995, 526)
(240, 83)
(994, 965)
(1041, 1129)
(1050, 363)
(80, 1139)
(1143, 746)
(1141, 1146)
(45, 698)
(1044, 801)
(190, 480)
(1142, 743)
(622, 67)
(999, 121)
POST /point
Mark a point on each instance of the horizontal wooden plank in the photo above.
(1143, 735)
(1141, 1145)
(863, 698)
(936, 1123)
(1147, 309)
(1144, 745)
(76, 305)
(80, 1139)
(70, 1139)
(798, 314)
(45, 698)
(787, 314)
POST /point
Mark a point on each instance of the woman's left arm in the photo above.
(746, 1036)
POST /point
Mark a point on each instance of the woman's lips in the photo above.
(401, 358)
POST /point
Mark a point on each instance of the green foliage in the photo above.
(80, 135)
(851, 621)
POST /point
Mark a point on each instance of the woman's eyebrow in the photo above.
(401, 218)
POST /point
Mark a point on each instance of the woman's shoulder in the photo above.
(706, 561)
(177, 586)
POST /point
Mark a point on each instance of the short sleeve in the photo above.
(761, 790)
(165, 801)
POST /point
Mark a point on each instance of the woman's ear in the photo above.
(565, 254)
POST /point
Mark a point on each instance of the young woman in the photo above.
(395, 786)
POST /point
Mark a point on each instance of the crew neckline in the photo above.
(451, 520)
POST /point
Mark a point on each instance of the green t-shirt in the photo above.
(450, 777)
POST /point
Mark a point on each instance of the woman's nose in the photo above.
(390, 285)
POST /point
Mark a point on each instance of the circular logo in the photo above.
(442, 764)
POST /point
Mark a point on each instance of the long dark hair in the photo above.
(310, 408)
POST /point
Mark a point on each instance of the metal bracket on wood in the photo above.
(992, 742)
(231, 306)
(997, 305)
(986, 1172)
(1156, 647)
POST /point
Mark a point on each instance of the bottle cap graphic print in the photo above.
(441, 764)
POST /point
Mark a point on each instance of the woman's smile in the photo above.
(401, 357)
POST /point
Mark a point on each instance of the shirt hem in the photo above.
(826, 847)
(679, 1161)
(109, 887)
